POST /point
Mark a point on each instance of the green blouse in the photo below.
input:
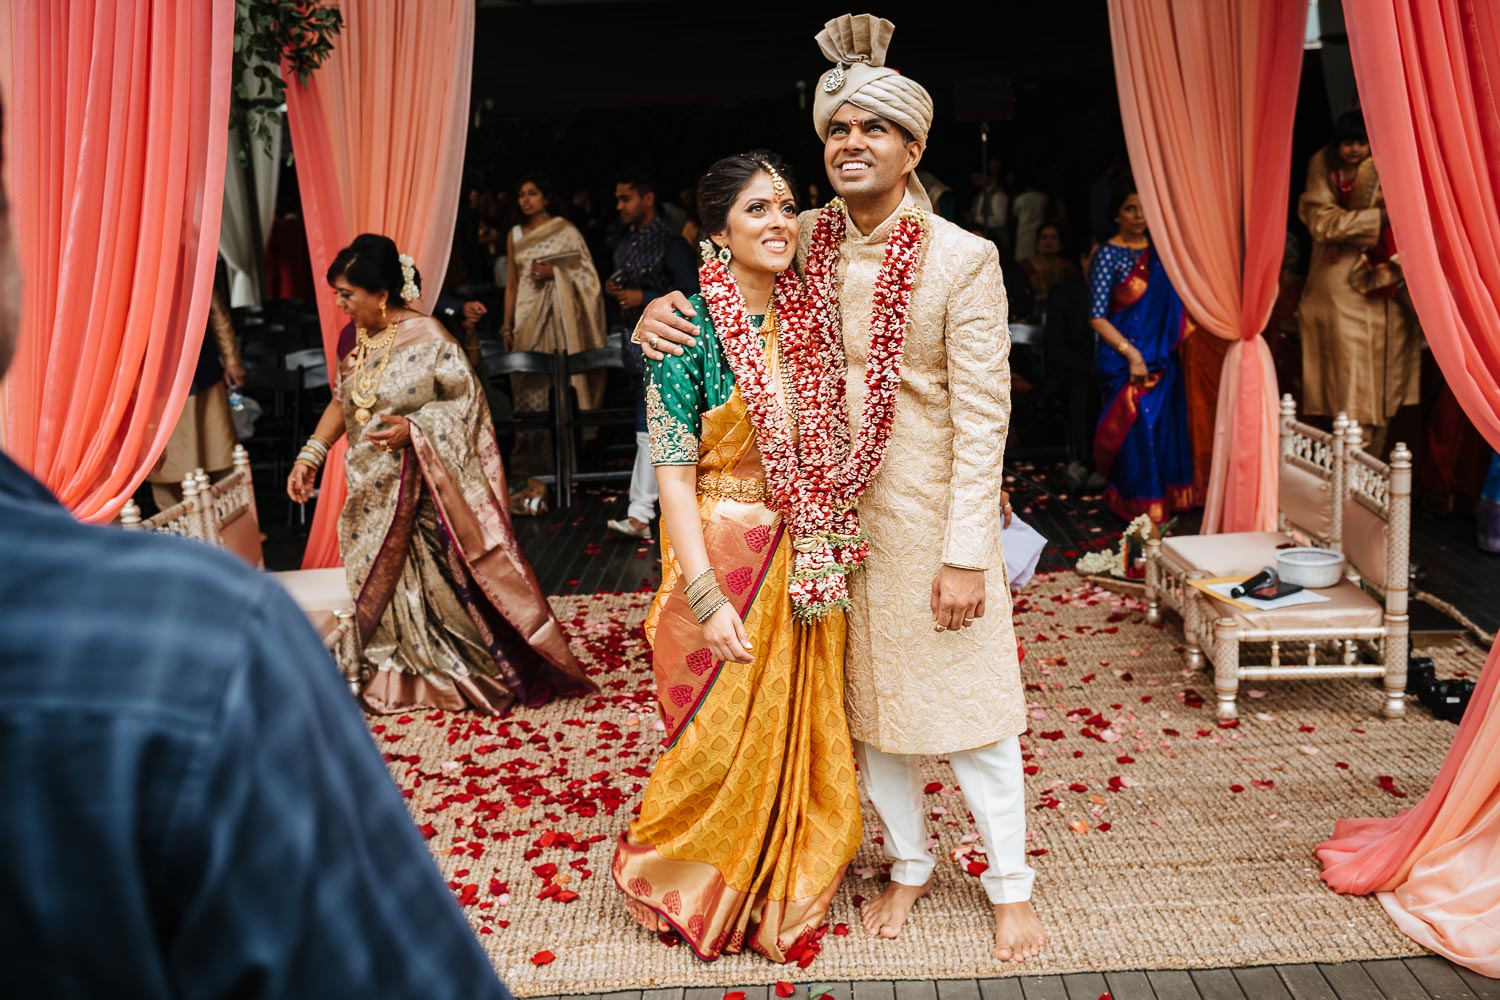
(681, 388)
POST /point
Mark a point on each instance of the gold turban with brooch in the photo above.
(857, 44)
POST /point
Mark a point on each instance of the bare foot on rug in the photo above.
(646, 916)
(886, 914)
(1019, 934)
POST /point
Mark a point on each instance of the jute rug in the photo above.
(1160, 839)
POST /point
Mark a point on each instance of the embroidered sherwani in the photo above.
(935, 501)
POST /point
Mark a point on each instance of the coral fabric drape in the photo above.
(120, 117)
(1208, 90)
(379, 135)
(1427, 75)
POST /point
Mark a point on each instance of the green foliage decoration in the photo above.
(270, 35)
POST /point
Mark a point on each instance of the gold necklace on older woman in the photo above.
(366, 389)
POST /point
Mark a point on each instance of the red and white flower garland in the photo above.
(857, 466)
(815, 481)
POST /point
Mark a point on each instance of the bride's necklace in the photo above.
(366, 389)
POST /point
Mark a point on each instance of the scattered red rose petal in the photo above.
(933, 787)
(842, 930)
(735, 995)
(543, 958)
(1388, 785)
(1236, 788)
(784, 989)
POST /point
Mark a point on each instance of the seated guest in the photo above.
(195, 808)
(1048, 267)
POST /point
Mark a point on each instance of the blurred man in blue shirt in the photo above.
(194, 807)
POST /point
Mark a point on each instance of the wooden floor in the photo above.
(1396, 979)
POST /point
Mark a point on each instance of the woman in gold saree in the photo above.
(752, 812)
(552, 300)
(449, 612)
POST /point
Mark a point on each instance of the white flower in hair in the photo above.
(409, 290)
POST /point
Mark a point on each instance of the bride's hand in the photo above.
(726, 636)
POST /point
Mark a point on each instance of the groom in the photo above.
(931, 664)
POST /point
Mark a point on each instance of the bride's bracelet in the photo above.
(711, 602)
(704, 596)
(699, 584)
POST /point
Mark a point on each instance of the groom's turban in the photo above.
(857, 43)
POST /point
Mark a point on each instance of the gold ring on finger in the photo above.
(939, 628)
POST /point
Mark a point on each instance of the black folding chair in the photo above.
(495, 368)
(281, 429)
(575, 418)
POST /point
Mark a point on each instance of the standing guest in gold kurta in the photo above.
(449, 612)
(752, 813)
(931, 666)
(1361, 350)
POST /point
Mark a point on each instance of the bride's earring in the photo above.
(724, 255)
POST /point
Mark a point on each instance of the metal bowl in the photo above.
(1309, 567)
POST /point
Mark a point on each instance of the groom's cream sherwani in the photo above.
(936, 500)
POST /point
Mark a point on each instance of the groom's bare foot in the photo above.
(886, 914)
(646, 916)
(1019, 934)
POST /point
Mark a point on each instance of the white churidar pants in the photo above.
(643, 488)
(992, 783)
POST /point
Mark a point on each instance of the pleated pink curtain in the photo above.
(1427, 77)
(120, 117)
(1208, 91)
(379, 135)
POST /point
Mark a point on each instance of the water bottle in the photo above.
(236, 401)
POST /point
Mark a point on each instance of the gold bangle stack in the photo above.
(313, 454)
(704, 595)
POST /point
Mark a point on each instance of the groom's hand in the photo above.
(957, 598)
(661, 327)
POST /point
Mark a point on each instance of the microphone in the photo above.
(1263, 584)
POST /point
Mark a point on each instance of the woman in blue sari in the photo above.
(1142, 442)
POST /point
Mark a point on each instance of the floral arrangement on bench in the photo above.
(1128, 562)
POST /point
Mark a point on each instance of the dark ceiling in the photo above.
(581, 89)
(539, 58)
